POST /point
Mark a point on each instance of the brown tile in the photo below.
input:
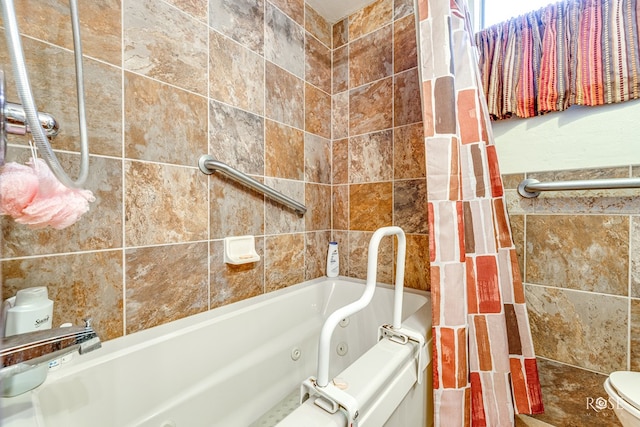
(236, 137)
(409, 159)
(167, 46)
(81, 285)
(370, 206)
(279, 218)
(406, 98)
(317, 159)
(177, 134)
(317, 26)
(179, 215)
(635, 335)
(416, 274)
(100, 228)
(359, 252)
(315, 259)
(284, 261)
(410, 205)
(235, 210)
(100, 26)
(318, 202)
(284, 97)
(341, 69)
(340, 207)
(340, 115)
(370, 18)
(317, 112)
(405, 54)
(231, 283)
(318, 64)
(241, 20)
(560, 252)
(371, 157)
(294, 9)
(151, 276)
(236, 76)
(340, 33)
(284, 151)
(511, 181)
(340, 162)
(569, 394)
(284, 41)
(370, 107)
(370, 57)
(403, 8)
(195, 8)
(565, 327)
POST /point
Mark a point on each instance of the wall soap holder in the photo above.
(240, 250)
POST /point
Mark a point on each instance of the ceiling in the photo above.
(334, 10)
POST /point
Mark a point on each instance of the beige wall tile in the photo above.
(371, 107)
(284, 41)
(284, 151)
(317, 110)
(371, 57)
(294, 9)
(370, 206)
(284, 97)
(340, 207)
(598, 244)
(284, 261)
(409, 160)
(370, 18)
(340, 32)
(635, 335)
(317, 64)
(371, 157)
(235, 209)
(318, 202)
(315, 259)
(317, 159)
(410, 205)
(165, 283)
(417, 265)
(317, 26)
(241, 20)
(359, 252)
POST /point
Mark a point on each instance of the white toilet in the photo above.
(623, 388)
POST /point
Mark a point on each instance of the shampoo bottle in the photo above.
(29, 310)
(333, 261)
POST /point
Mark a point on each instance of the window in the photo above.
(495, 11)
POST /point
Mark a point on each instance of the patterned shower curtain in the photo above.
(484, 363)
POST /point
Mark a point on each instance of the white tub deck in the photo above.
(226, 367)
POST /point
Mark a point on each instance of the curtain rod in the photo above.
(209, 165)
(531, 188)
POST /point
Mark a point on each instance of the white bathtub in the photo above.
(227, 367)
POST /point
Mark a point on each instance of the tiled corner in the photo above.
(77, 292)
(165, 283)
(340, 207)
(340, 32)
(241, 20)
(340, 69)
(340, 115)
(231, 283)
(582, 329)
(318, 64)
(315, 259)
(635, 335)
(318, 202)
(416, 274)
(340, 161)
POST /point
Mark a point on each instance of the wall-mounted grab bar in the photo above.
(531, 188)
(209, 165)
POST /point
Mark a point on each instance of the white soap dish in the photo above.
(240, 250)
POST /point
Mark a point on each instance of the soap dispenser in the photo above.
(29, 310)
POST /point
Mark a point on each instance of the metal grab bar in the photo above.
(209, 165)
(370, 287)
(531, 188)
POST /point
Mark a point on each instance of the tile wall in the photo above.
(580, 257)
(378, 155)
(250, 82)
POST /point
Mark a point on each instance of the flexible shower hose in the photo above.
(26, 96)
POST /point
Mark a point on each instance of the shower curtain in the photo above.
(484, 363)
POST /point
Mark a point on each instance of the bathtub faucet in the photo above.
(22, 352)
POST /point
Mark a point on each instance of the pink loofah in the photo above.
(50, 204)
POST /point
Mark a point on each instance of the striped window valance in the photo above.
(575, 52)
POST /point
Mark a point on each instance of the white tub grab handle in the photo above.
(350, 309)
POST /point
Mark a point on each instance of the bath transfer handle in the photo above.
(370, 287)
(209, 165)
